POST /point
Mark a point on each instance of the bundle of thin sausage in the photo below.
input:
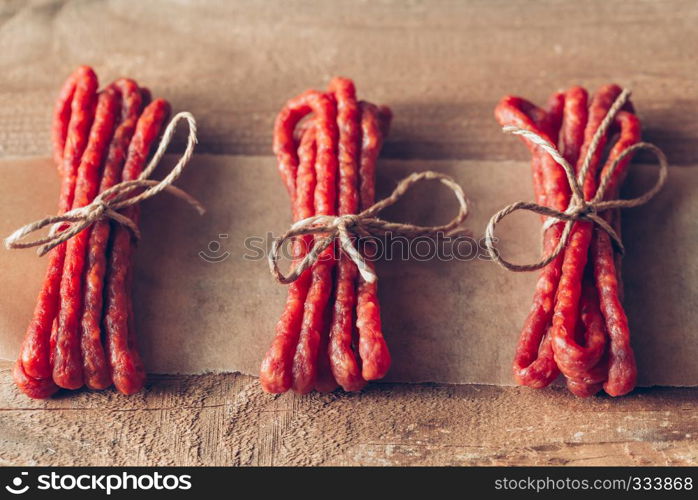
(577, 325)
(82, 329)
(329, 334)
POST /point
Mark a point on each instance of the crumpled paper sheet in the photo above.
(445, 321)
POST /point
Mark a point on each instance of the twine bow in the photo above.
(365, 223)
(109, 202)
(578, 208)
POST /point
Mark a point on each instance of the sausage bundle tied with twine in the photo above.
(579, 208)
(363, 224)
(120, 196)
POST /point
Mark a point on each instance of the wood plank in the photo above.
(441, 65)
(228, 420)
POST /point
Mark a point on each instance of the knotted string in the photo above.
(578, 208)
(365, 223)
(107, 203)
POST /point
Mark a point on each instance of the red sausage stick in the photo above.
(373, 350)
(61, 116)
(568, 296)
(323, 107)
(95, 364)
(127, 370)
(572, 357)
(33, 370)
(343, 360)
(276, 371)
(325, 381)
(325, 197)
(571, 141)
(622, 371)
(67, 365)
(534, 365)
(588, 382)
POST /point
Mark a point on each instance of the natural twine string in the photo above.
(578, 209)
(107, 203)
(364, 224)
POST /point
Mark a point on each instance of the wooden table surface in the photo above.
(441, 66)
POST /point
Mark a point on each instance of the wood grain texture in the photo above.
(228, 420)
(441, 66)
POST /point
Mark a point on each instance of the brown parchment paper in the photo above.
(445, 321)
